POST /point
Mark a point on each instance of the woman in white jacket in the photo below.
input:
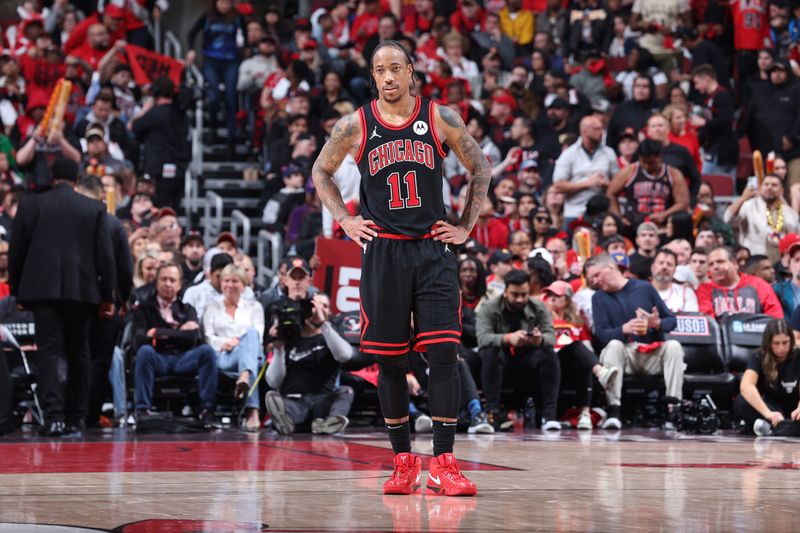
(234, 327)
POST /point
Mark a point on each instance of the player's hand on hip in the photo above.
(448, 233)
(358, 229)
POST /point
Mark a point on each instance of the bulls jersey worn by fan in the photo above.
(401, 171)
(646, 194)
(751, 28)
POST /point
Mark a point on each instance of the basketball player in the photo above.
(408, 263)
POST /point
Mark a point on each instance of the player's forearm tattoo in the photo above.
(476, 163)
(329, 160)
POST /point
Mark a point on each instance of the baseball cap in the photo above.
(621, 260)
(500, 256)
(227, 236)
(114, 11)
(559, 288)
(601, 106)
(789, 243)
(191, 236)
(504, 97)
(473, 246)
(646, 226)
(302, 25)
(165, 212)
(269, 39)
(532, 162)
(558, 103)
(288, 170)
(220, 261)
(544, 253)
(95, 132)
(780, 64)
(310, 44)
(295, 262)
(628, 133)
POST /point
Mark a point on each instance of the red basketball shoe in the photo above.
(406, 476)
(446, 479)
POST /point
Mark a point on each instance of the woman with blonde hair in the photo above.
(682, 132)
(234, 327)
(769, 393)
(145, 269)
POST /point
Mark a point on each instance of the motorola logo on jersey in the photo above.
(399, 151)
(420, 127)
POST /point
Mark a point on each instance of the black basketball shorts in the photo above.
(403, 278)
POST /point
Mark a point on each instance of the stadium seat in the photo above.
(742, 335)
(701, 339)
(745, 167)
(721, 184)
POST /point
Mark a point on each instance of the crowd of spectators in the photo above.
(625, 123)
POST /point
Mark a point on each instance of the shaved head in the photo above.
(591, 130)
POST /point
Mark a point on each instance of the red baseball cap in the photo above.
(559, 288)
(504, 97)
(114, 11)
(227, 236)
(166, 212)
(788, 243)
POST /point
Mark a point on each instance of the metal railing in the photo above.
(212, 217)
(172, 46)
(239, 221)
(264, 270)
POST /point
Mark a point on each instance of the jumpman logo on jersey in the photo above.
(375, 133)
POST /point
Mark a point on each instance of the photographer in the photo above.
(307, 356)
(768, 392)
(516, 331)
(294, 283)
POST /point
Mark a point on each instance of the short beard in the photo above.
(397, 98)
(662, 278)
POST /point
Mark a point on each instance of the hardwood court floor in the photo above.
(229, 482)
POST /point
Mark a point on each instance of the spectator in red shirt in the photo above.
(468, 18)
(730, 292)
(113, 18)
(420, 19)
(98, 41)
(489, 230)
(42, 66)
(365, 25)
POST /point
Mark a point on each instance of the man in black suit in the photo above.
(61, 266)
(168, 340)
(104, 333)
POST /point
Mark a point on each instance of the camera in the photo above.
(695, 417)
(291, 316)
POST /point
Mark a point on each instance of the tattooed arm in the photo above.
(451, 129)
(345, 139)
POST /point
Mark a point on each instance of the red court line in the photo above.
(732, 466)
(186, 456)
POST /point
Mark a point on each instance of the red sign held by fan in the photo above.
(148, 65)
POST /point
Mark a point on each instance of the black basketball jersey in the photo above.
(401, 170)
(646, 194)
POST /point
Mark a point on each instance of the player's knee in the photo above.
(443, 355)
(392, 363)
